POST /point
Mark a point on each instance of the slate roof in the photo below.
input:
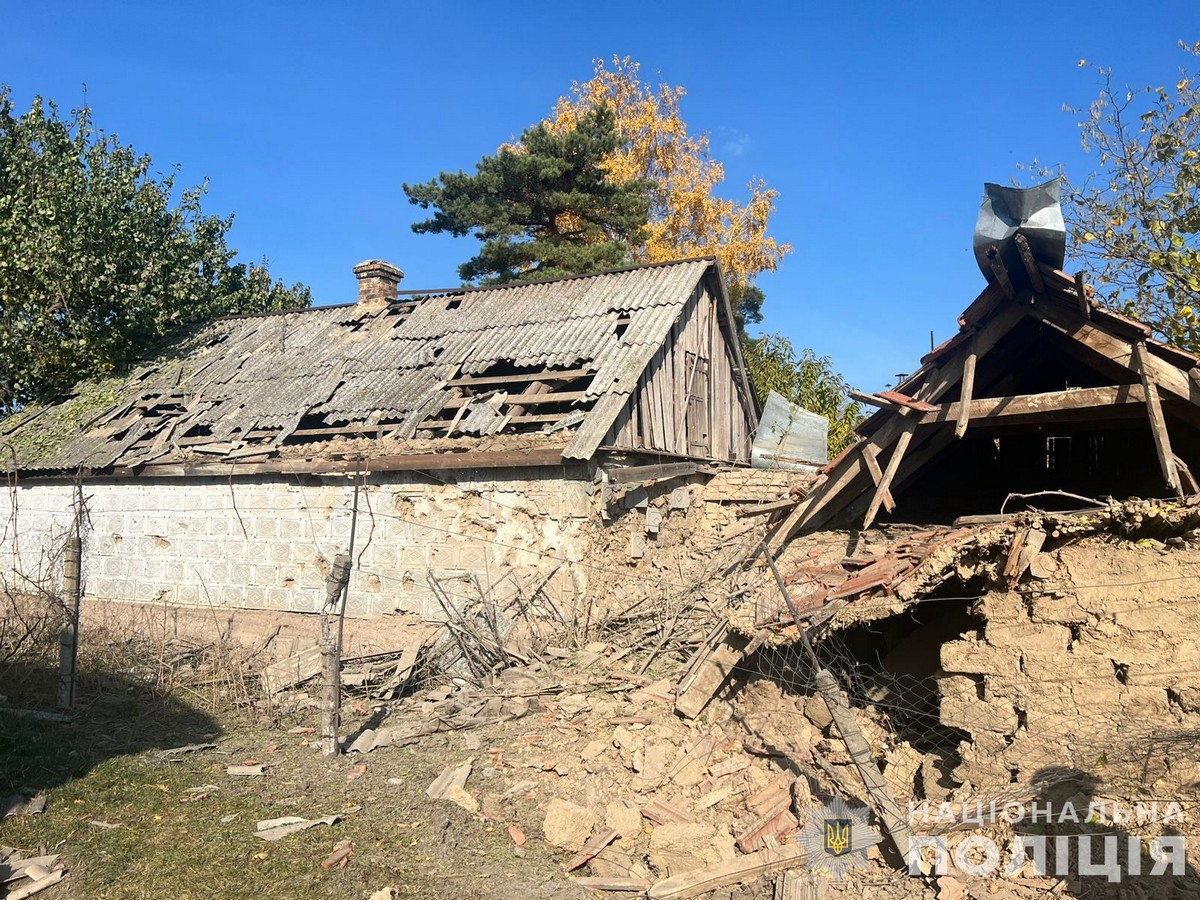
(241, 387)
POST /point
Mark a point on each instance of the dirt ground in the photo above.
(131, 823)
(557, 754)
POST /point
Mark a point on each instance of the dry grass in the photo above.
(138, 696)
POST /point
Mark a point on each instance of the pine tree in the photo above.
(543, 208)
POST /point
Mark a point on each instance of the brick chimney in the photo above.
(377, 283)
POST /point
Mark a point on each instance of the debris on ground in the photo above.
(28, 875)
(342, 851)
(22, 805)
(276, 829)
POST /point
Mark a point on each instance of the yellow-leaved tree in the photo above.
(687, 216)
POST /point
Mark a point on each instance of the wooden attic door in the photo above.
(699, 440)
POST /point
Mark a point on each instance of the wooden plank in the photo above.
(549, 456)
(905, 401)
(501, 380)
(1158, 424)
(1048, 405)
(889, 810)
(744, 868)
(872, 461)
(628, 474)
(890, 472)
(763, 509)
(1187, 480)
(526, 399)
(597, 843)
(1030, 263)
(708, 675)
(1085, 308)
(872, 400)
(996, 263)
(1026, 544)
(968, 390)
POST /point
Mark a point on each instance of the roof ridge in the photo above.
(474, 289)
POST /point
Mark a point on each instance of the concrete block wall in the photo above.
(267, 542)
(1086, 677)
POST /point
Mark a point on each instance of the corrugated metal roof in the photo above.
(335, 366)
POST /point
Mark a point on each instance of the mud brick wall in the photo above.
(1094, 666)
(266, 543)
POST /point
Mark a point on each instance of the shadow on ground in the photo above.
(114, 715)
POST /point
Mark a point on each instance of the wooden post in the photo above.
(910, 425)
(1001, 273)
(894, 821)
(1158, 424)
(68, 645)
(331, 655)
(1085, 308)
(1031, 266)
(872, 461)
(968, 390)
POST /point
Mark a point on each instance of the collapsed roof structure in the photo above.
(1041, 390)
(641, 359)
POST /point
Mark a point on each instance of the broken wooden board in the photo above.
(744, 868)
(594, 846)
(288, 672)
(1027, 543)
(714, 664)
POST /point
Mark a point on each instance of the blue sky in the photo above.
(877, 122)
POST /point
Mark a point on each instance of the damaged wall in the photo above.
(1090, 677)
(267, 543)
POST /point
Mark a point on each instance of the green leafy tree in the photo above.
(543, 208)
(97, 261)
(805, 379)
(1135, 222)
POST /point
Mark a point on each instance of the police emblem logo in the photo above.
(836, 837)
(839, 836)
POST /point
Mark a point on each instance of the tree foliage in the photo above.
(97, 261)
(687, 216)
(806, 379)
(1135, 222)
(544, 208)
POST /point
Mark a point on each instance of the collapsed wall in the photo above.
(1096, 666)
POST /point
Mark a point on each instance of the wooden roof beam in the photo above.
(1031, 265)
(1158, 424)
(1001, 272)
(1115, 348)
(1048, 405)
(968, 389)
(884, 484)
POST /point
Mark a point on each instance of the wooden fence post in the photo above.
(68, 643)
(331, 655)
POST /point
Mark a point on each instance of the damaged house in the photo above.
(981, 570)
(490, 428)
